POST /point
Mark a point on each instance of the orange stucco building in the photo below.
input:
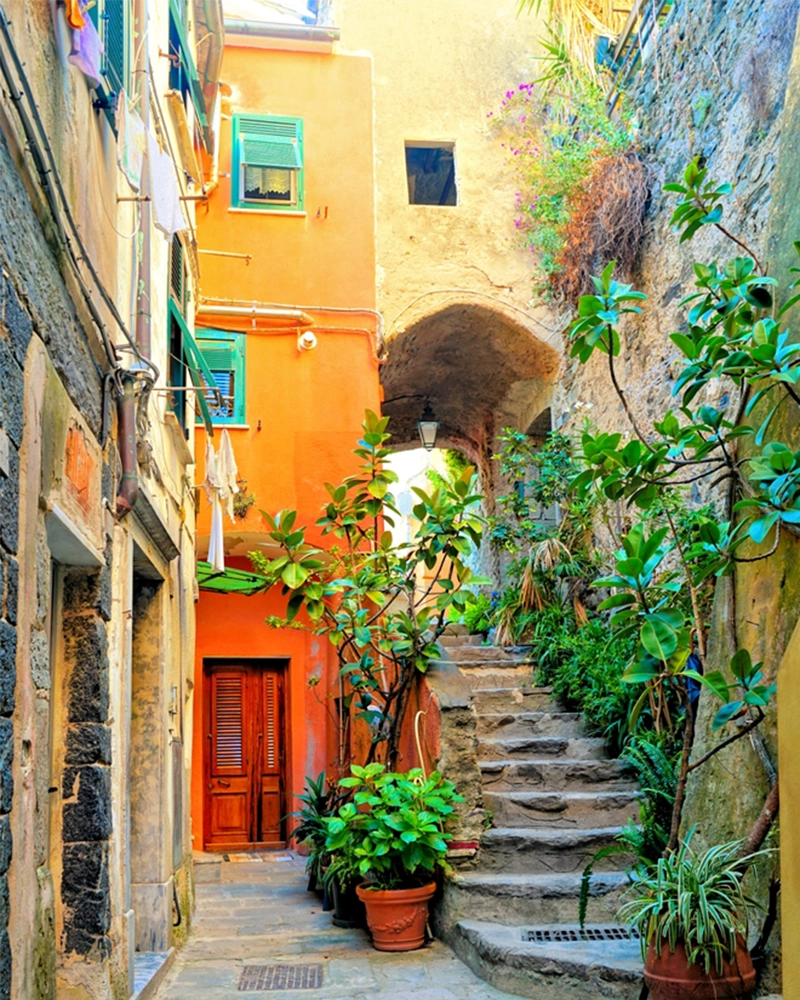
(287, 245)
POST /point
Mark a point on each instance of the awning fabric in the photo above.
(232, 581)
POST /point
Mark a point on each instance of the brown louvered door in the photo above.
(245, 756)
(229, 792)
(271, 811)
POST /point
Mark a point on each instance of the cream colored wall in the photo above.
(440, 68)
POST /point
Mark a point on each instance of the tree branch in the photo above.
(731, 739)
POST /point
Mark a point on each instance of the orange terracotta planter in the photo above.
(670, 977)
(397, 917)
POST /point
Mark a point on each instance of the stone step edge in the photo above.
(560, 885)
(501, 943)
(550, 836)
(553, 760)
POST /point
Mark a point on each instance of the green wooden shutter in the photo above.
(223, 352)
(261, 141)
(116, 34)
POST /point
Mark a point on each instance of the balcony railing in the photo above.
(630, 51)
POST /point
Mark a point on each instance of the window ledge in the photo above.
(269, 211)
(231, 427)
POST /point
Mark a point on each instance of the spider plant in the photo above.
(693, 899)
(319, 802)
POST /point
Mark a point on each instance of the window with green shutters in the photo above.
(112, 18)
(267, 170)
(223, 352)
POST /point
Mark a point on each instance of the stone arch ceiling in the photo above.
(479, 368)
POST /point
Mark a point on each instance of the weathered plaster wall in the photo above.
(453, 283)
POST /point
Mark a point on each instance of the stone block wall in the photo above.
(15, 333)
(715, 87)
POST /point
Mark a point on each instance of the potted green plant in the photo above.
(319, 802)
(394, 830)
(341, 879)
(692, 914)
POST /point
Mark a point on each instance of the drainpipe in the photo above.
(128, 491)
(142, 333)
(283, 32)
(295, 317)
(213, 184)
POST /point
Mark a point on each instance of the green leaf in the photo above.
(726, 714)
(294, 575)
(659, 639)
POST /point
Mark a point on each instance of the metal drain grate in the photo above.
(255, 978)
(560, 935)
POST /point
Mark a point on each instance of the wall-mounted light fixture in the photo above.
(428, 427)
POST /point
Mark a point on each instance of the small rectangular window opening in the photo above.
(431, 172)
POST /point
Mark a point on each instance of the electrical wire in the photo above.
(53, 189)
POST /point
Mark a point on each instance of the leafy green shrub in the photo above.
(393, 830)
(477, 616)
(585, 665)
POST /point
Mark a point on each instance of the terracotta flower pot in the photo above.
(397, 917)
(670, 977)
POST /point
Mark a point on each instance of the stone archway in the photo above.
(481, 368)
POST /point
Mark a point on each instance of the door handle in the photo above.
(225, 784)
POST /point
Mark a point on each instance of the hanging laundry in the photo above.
(211, 485)
(130, 142)
(87, 52)
(75, 18)
(163, 189)
(227, 472)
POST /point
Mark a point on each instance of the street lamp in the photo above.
(428, 426)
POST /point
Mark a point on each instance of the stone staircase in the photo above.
(555, 798)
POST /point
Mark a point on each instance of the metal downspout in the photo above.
(128, 491)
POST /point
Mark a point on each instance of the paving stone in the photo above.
(263, 915)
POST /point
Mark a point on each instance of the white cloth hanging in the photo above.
(130, 142)
(164, 192)
(227, 472)
(211, 485)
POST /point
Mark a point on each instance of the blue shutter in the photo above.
(115, 41)
(223, 352)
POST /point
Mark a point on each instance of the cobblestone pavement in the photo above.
(261, 914)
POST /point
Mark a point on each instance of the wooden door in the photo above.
(244, 756)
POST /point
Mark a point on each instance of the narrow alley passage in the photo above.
(260, 914)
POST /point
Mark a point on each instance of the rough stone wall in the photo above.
(15, 333)
(86, 778)
(715, 87)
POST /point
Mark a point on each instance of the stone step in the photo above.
(513, 725)
(455, 642)
(554, 775)
(505, 676)
(531, 899)
(564, 809)
(505, 698)
(551, 970)
(534, 747)
(454, 628)
(490, 654)
(530, 851)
